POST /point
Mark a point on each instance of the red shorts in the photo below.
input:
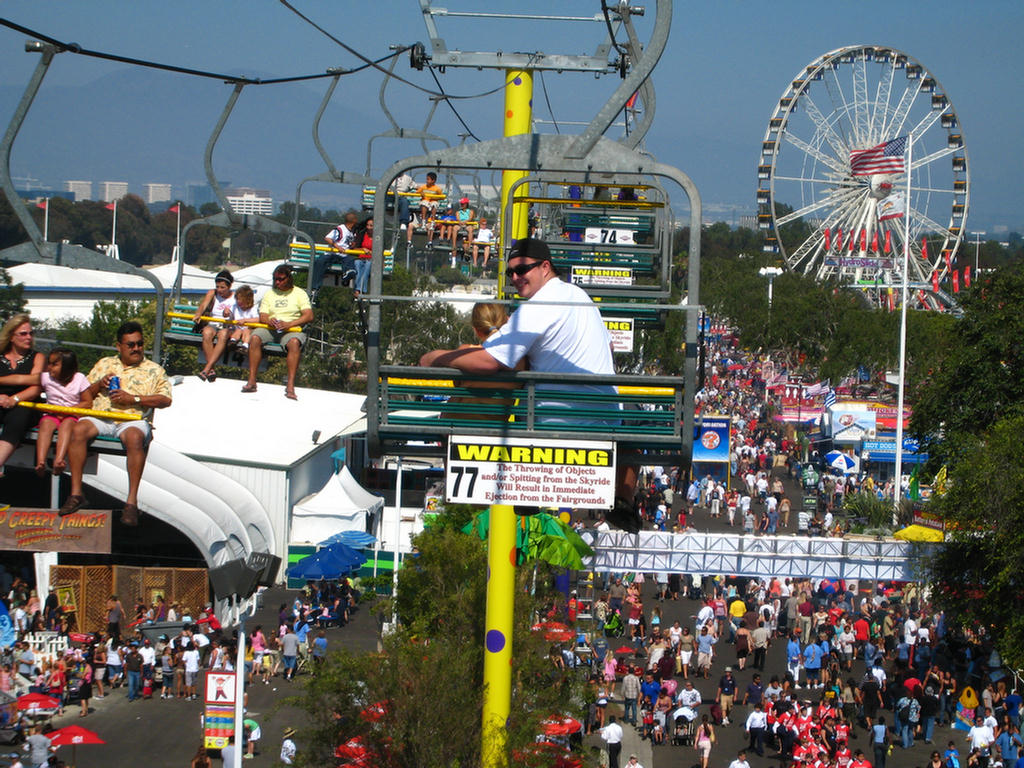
(58, 418)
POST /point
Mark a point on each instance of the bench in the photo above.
(427, 404)
(298, 257)
(181, 331)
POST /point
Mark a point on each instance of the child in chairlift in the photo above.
(64, 385)
(245, 310)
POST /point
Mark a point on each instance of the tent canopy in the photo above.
(341, 505)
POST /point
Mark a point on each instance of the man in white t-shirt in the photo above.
(191, 659)
(559, 330)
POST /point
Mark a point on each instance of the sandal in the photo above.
(130, 515)
(249, 388)
(211, 376)
(290, 394)
(202, 376)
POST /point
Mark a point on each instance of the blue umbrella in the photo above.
(355, 539)
(329, 563)
(842, 462)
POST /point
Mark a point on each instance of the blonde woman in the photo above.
(20, 368)
(487, 318)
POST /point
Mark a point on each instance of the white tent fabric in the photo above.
(333, 509)
(192, 278)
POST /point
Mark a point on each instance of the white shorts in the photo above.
(116, 428)
(685, 656)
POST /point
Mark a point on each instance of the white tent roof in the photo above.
(49, 276)
(333, 509)
(261, 429)
(192, 279)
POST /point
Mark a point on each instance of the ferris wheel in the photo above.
(832, 181)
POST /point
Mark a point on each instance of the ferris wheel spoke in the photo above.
(840, 107)
(837, 142)
(881, 109)
(825, 202)
(925, 123)
(817, 154)
(862, 124)
(930, 190)
(920, 221)
(807, 179)
(894, 127)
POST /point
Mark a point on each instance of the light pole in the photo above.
(771, 273)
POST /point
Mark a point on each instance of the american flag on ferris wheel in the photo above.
(887, 157)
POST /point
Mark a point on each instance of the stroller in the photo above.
(613, 627)
(684, 729)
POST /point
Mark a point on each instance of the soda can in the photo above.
(115, 383)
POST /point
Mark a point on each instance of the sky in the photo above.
(726, 65)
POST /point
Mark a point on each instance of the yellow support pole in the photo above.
(501, 570)
(518, 120)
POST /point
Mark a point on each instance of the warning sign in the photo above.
(621, 331)
(530, 473)
(587, 275)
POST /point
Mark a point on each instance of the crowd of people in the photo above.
(864, 665)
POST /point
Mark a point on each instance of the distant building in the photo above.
(198, 194)
(248, 200)
(82, 190)
(748, 222)
(113, 190)
(157, 193)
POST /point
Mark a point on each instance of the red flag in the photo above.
(967, 276)
(921, 298)
(839, 239)
(849, 244)
(956, 281)
(111, 206)
(863, 239)
(173, 208)
(828, 239)
(924, 248)
(888, 240)
(632, 100)
(935, 281)
(949, 264)
(43, 204)
(874, 241)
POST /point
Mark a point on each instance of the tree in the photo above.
(968, 414)
(427, 682)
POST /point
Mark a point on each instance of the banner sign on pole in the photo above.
(219, 719)
(711, 440)
(530, 473)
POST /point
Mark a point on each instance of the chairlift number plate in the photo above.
(608, 236)
(530, 473)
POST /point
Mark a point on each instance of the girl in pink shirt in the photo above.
(64, 385)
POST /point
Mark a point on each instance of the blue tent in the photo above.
(329, 563)
(354, 539)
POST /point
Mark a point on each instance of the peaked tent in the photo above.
(341, 505)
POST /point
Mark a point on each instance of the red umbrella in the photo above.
(547, 755)
(624, 649)
(353, 748)
(37, 701)
(74, 735)
(561, 725)
(375, 712)
(554, 631)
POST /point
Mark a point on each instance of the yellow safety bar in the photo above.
(300, 246)
(605, 203)
(73, 411)
(249, 323)
(623, 390)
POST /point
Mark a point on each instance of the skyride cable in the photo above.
(76, 48)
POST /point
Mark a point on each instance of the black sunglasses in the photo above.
(134, 344)
(282, 276)
(521, 270)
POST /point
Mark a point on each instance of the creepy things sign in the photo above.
(43, 530)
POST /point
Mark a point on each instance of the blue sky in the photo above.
(726, 65)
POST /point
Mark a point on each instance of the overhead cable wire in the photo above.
(544, 87)
(399, 78)
(451, 106)
(77, 49)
